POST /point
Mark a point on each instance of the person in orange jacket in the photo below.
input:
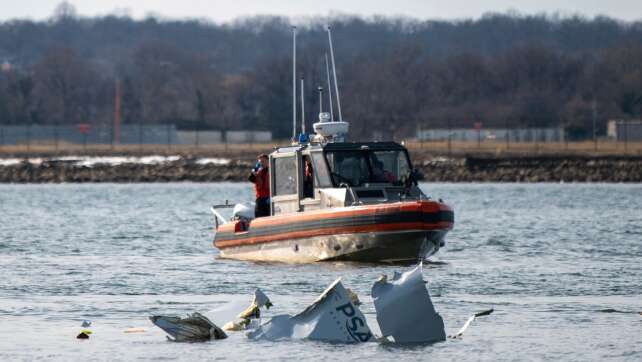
(260, 176)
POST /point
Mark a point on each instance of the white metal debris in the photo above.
(404, 309)
(234, 316)
(333, 317)
(193, 328)
(250, 317)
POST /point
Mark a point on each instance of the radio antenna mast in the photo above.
(302, 109)
(294, 83)
(334, 71)
(327, 72)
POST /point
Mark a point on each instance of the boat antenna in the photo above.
(320, 89)
(327, 72)
(294, 83)
(302, 109)
(334, 71)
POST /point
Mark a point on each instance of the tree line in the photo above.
(395, 74)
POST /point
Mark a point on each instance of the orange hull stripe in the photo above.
(334, 230)
(425, 206)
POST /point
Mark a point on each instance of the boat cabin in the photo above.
(318, 176)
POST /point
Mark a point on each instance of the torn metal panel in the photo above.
(333, 317)
(253, 311)
(193, 328)
(234, 316)
(404, 309)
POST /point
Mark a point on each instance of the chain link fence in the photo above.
(128, 134)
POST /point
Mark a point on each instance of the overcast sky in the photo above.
(222, 11)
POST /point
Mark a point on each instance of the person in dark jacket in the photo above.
(308, 178)
(260, 176)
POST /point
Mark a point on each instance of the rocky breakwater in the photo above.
(173, 170)
(533, 169)
(435, 169)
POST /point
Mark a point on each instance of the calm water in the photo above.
(552, 260)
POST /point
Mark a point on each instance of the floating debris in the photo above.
(404, 309)
(234, 326)
(193, 328)
(197, 327)
(84, 334)
(461, 331)
(405, 314)
(353, 297)
(333, 317)
(250, 316)
(135, 330)
(611, 310)
(260, 300)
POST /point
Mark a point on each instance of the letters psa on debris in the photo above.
(333, 317)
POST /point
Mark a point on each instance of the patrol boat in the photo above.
(337, 200)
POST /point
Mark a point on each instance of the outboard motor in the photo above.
(243, 211)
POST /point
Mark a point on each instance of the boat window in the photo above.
(321, 170)
(358, 167)
(389, 166)
(284, 176)
(350, 167)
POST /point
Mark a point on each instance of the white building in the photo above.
(625, 130)
(248, 136)
(498, 134)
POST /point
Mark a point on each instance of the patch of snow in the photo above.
(9, 161)
(213, 161)
(153, 160)
(90, 161)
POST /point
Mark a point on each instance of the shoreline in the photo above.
(176, 168)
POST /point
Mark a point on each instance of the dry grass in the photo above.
(211, 150)
(244, 151)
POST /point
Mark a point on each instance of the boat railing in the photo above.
(218, 218)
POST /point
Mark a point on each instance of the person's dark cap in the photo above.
(263, 155)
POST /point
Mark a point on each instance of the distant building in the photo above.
(199, 137)
(89, 133)
(625, 130)
(248, 136)
(212, 137)
(130, 133)
(496, 134)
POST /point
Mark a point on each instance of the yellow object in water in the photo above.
(84, 334)
(236, 326)
(135, 330)
(252, 311)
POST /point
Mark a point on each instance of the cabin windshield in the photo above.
(359, 167)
